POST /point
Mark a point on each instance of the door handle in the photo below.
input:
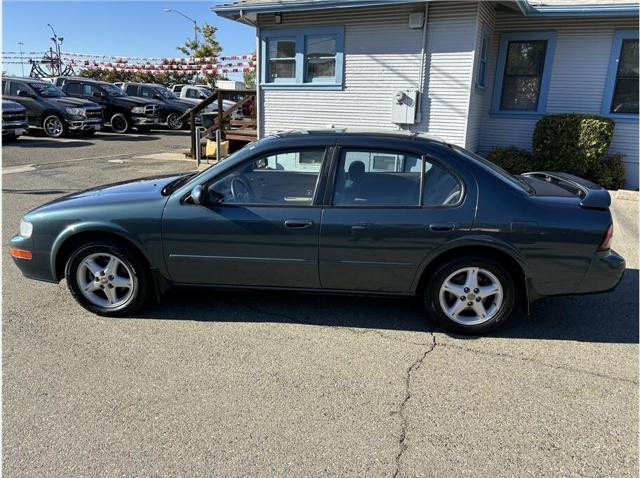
(442, 226)
(298, 223)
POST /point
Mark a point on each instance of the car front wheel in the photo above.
(107, 279)
(470, 294)
(120, 124)
(174, 122)
(54, 126)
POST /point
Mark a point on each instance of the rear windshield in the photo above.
(496, 170)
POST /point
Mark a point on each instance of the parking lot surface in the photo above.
(268, 384)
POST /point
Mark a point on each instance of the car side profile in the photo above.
(333, 211)
(49, 108)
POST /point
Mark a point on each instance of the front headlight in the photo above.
(26, 228)
(76, 111)
(137, 109)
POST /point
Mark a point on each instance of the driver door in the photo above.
(259, 226)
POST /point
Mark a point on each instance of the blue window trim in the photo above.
(300, 35)
(505, 38)
(481, 81)
(610, 84)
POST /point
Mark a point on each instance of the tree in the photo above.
(249, 78)
(169, 78)
(207, 46)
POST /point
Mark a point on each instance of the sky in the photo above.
(127, 28)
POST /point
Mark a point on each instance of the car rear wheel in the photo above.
(120, 124)
(174, 122)
(54, 126)
(107, 279)
(470, 295)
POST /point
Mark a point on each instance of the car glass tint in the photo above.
(287, 178)
(16, 86)
(112, 90)
(47, 90)
(132, 90)
(146, 92)
(378, 178)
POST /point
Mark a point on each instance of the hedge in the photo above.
(514, 160)
(571, 142)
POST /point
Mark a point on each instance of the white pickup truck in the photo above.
(196, 93)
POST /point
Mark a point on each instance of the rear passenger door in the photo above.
(388, 210)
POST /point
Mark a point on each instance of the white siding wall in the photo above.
(580, 68)
(382, 55)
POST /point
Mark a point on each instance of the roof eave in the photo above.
(624, 10)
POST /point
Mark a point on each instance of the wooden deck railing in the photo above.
(233, 129)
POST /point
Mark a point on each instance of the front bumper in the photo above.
(604, 274)
(39, 266)
(146, 120)
(85, 124)
(14, 128)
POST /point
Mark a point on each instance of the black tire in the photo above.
(141, 277)
(54, 126)
(9, 138)
(120, 124)
(437, 279)
(173, 122)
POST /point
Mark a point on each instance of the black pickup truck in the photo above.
(14, 120)
(122, 112)
(171, 107)
(49, 108)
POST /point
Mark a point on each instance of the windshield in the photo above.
(513, 179)
(166, 93)
(47, 90)
(206, 91)
(112, 90)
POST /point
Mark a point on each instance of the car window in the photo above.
(74, 88)
(193, 93)
(132, 90)
(16, 86)
(146, 92)
(288, 178)
(384, 178)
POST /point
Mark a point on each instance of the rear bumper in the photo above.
(604, 274)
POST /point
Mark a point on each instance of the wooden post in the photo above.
(220, 113)
(192, 120)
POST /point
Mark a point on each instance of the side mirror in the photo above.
(157, 96)
(198, 194)
(24, 94)
(98, 94)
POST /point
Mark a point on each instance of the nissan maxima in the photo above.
(333, 211)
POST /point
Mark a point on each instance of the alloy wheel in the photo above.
(471, 296)
(105, 280)
(53, 126)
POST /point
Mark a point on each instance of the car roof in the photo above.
(26, 79)
(87, 80)
(342, 132)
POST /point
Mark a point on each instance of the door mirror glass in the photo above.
(25, 94)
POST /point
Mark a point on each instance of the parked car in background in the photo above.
(333, 211)
(50, 109)
(196, 93)
(122, 112)
(14, 120)
(171, 108)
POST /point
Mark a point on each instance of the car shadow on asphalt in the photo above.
(51, 143)
(608, 318)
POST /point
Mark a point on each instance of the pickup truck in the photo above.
(122, 112)
(171, 107)
(14, 120)
(196, 93)
(50, 109)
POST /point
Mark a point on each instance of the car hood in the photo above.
(181, 103)
(132, 101)
(65, 101)
(126, 193)
(12, 106)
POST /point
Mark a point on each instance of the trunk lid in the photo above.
(547, 183)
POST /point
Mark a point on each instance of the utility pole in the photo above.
(195, 24)
(21, 59)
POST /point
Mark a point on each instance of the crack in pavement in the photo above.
(407, 396)
(537, 362)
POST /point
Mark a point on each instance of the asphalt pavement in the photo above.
(273, 384)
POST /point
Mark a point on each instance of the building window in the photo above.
(524, 72)
(311, 57)
(481, 80)
(621, 92)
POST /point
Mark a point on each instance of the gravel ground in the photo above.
(267, 384)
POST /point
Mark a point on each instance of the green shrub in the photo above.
(608, 172)
(572, 143)
(514, 160)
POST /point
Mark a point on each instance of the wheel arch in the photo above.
(71, 237)
(486, 247)
(49, 112)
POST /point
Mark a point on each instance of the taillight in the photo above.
(605, 244)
